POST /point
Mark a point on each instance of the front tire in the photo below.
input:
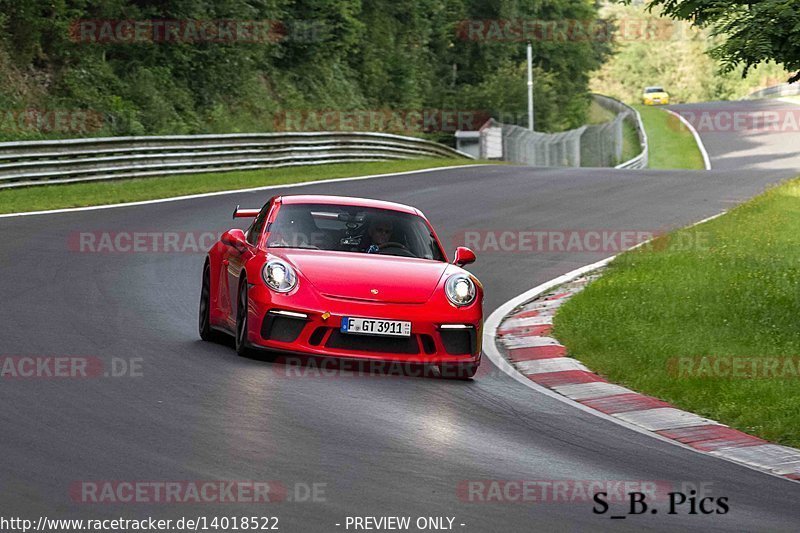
(207, 333)
(242, 344)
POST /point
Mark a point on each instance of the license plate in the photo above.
(375, 326)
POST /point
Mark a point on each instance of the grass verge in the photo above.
(132, 190)
(598, 114)
(671, 144)
(630, 141)
(726, 289)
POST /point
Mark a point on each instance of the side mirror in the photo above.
(235, 239)
(464, 256)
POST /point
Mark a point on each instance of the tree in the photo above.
(752, 31)
(324, 55)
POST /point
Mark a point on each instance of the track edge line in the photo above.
(494, 320)
(233, 191)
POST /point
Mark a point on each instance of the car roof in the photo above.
(347, 200)
(654, 87)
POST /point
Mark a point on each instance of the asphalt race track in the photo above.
(761, 134)
(383, 445)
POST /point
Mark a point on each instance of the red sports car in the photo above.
(347, 278)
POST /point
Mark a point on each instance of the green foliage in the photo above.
(652, 50)
(328, 55)
(751, 32)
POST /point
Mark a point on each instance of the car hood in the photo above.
(357, 276)
(656, 95)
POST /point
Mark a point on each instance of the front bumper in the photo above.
(440, 333)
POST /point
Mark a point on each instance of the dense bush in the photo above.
(326, 55)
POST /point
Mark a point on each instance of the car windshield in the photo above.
(654, 90)
(344, 228)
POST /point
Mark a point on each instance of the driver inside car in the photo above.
(379, 235)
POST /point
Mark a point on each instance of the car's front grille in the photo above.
(368, 343)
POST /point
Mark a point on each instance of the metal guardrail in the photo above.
(525, 147)
(783, 89)
(593, 145)
(28, 163)
(632, 116)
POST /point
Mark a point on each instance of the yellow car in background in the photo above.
(655, 96)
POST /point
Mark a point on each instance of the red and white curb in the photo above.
(518, 341)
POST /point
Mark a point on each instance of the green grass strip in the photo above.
(132, 190)
(672, 145)
(670, 319)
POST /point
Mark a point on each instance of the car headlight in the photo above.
(460, 290)
(279, 276)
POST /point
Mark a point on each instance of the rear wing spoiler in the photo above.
(245, 213)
